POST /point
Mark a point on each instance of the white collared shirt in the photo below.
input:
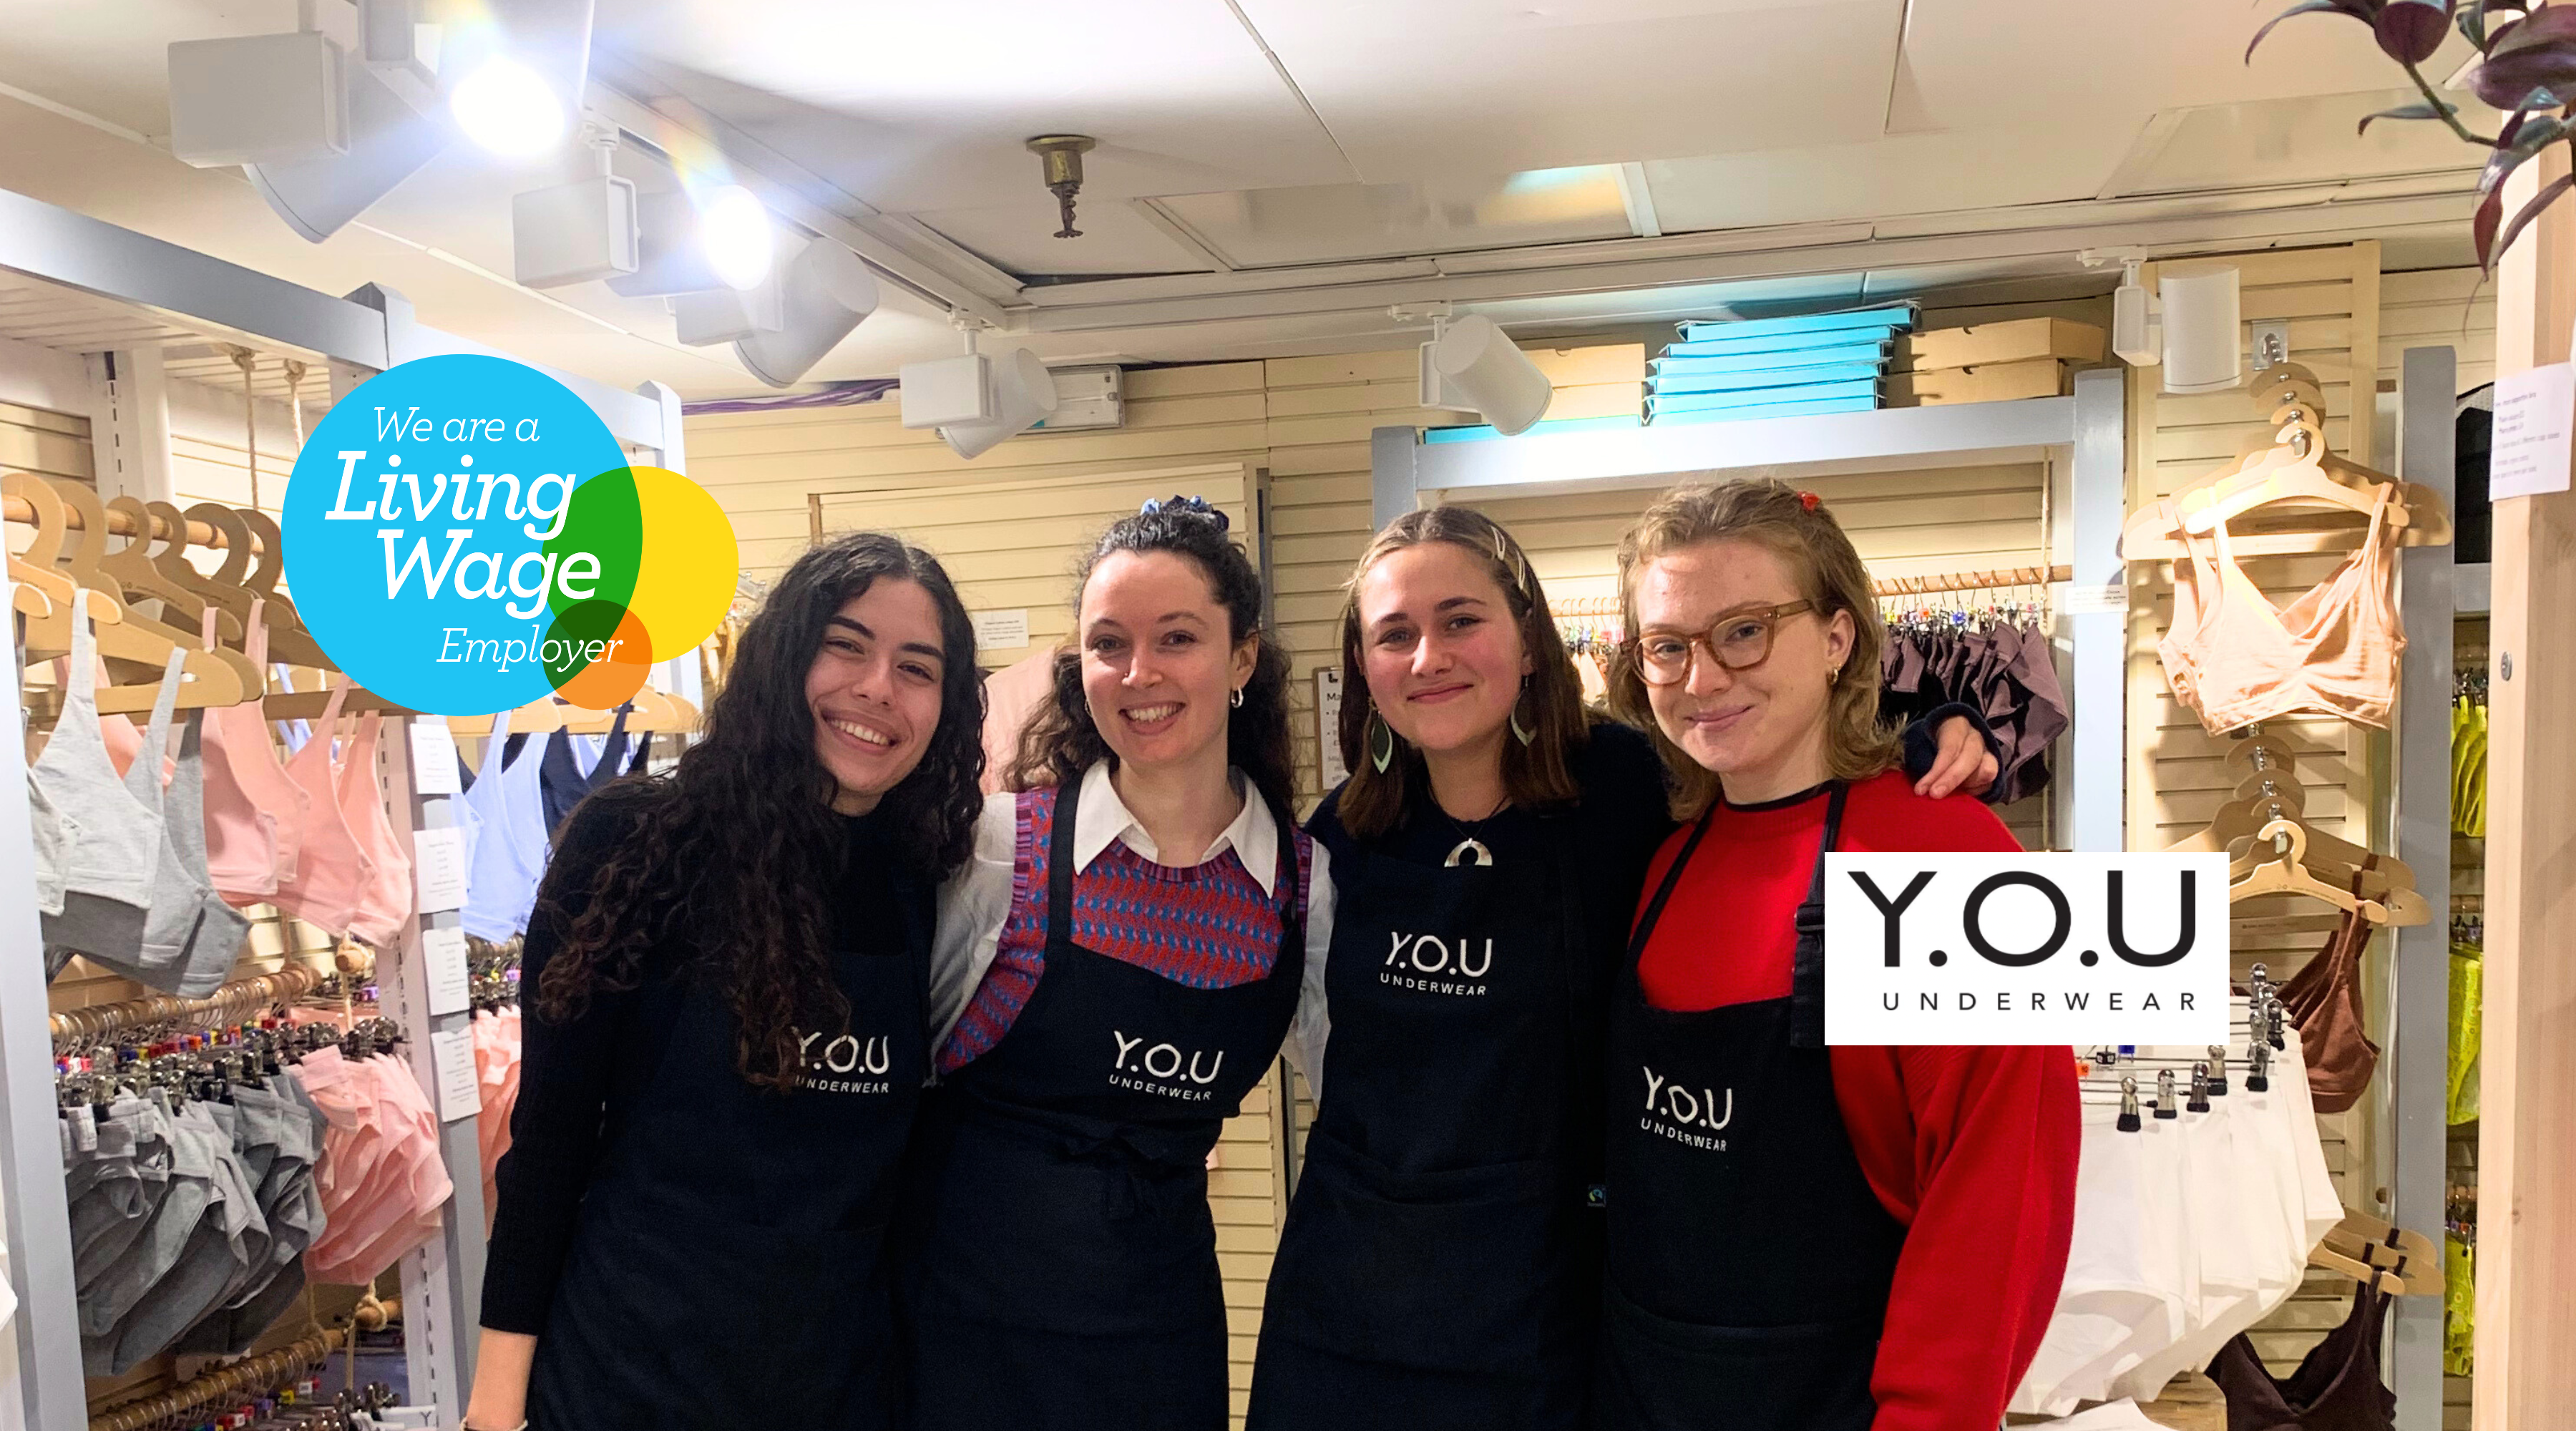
(976, 901)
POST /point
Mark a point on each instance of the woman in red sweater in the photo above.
(1800, 1238)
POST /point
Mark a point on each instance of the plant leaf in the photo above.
(2410, 31)
(2549, 192)
(2472, 19)
(2304, 7)
(2539, 75)
(2482, 229)
(2524, 137)
(2411, 111)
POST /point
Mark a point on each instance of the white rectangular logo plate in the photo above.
(2026, 949)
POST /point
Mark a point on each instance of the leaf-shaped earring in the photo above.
(1381, 742)
(1524, 734)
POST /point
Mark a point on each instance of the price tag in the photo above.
(460, 1087)
(433, 758)
(1328, 724)
(438, 869)
(444, 950)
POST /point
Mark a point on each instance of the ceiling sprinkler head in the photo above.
(1062, 155)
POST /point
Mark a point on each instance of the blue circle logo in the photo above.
(432, 536)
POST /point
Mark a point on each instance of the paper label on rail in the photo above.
(434, 770)
(1001, 630)
(450, 989)
(2534, 412)
(1328, 724)
(460, 1087)
(2094, 600)
(438, 869)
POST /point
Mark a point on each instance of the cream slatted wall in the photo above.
(2177, 775)
(1014, 545)
(763, 466)
(50, 444)
(2430, 307)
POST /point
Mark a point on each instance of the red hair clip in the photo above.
(1810, 501)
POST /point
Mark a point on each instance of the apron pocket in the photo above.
(1658, 1374)
(1465, 1270)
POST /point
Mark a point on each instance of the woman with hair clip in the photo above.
(726, 1044)
(1116, 970)
(1441, 1262)
(1852, 1238)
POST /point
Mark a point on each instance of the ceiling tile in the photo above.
(1973, 63)
(2295, 140)
(1326, 223)
(920, 107)
(1908, 174)
(1482, 87)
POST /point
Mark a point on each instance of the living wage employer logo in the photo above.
(464, 535)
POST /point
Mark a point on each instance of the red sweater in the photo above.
(1972, 1149)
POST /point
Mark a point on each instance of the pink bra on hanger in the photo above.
(332, 872)
(2233, 658)
(385, 901)
(255, 815)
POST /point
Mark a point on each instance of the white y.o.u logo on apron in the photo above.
(1167, 1061)
(1690, 1107)
(846, 1054)
(1432, 955)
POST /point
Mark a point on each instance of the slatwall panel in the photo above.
(1015, 544)
(763, 466)
(2437, 307)
(2177, 776)
(1903, 523)
(51, 444)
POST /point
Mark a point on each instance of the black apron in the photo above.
(673, 1314)
(1749, 1261)
(1441, 1266)
(1061, 1269)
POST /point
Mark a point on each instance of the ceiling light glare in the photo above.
(733, 229)
(504, 107)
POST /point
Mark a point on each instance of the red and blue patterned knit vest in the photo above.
(1209, 926)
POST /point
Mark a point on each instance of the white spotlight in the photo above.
(1480, 365)
(733, 229)
(1023, 395)
(507, 108)
(389, 142)
(824, 292)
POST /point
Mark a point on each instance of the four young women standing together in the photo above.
(1120, 948)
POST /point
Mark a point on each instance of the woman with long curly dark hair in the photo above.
(728, 968)
(1118, 966)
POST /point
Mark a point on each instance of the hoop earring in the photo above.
(1524, 734)
(1236, 700)
(1381, 742)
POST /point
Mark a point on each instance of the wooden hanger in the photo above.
(269, 568)
(212, 678)
(537, 717)
(2374, 1252)
(288, 641)
(2258, 748)
(132, 565)
(2284, 870)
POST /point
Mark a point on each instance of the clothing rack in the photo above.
(1581, 606)
(196, 534)
(233, 999)
(258, 1374)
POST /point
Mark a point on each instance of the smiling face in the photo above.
(1159, 661)
(1444, 658)
(1761, 730)
(874, 689)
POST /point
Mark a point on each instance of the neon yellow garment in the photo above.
(2459, 1305)
(2468, 998)
(2469, 767)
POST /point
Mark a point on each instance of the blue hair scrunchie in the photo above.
(1195, 506)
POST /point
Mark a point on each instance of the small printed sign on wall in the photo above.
(1001, 630)
(2026, 949)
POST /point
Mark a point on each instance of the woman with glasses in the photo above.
(1440, 1267)
(1800, 1238)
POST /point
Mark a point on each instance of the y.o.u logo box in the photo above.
(2026, 949)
